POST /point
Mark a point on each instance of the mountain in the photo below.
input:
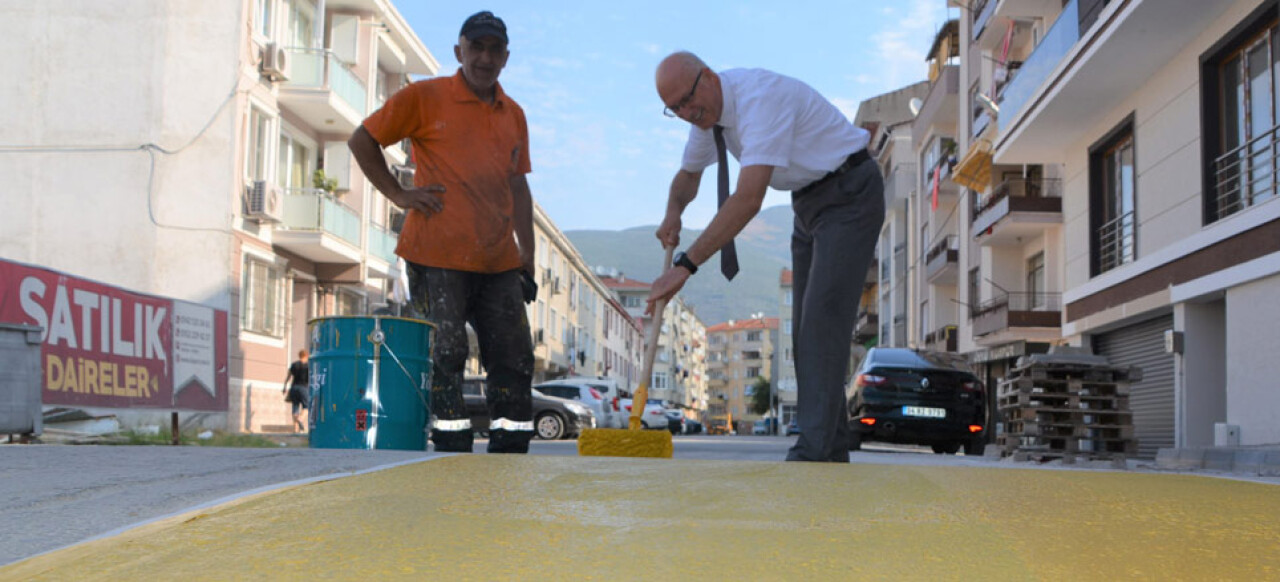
(764, 249)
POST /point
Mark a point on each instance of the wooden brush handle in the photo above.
(641, 397)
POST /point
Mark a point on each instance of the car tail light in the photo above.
(628, 407)
(867, 421)
(972, 386)
(596, 394)
(655, 412)
(871, 380)
(615, 404)
(975, 428)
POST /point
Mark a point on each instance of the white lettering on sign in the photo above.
(59, 326)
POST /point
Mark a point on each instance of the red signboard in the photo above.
(107, 347)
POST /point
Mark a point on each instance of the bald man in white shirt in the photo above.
(785, 135)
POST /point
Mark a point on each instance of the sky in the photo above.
(603, 154)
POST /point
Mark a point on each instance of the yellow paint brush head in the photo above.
(616, 442)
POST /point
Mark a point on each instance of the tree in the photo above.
(761, 396)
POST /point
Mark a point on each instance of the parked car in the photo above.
(614, 417)
(793, 427)
(653, 417)
(760, 427)
(588, 395)
(675, 421)
(917, 397)
(553, 418)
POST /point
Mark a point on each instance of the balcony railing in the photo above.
(1017, 195)
(308, 209)
(945, 339)
(322, 69)
(1116, 242)
(1043, 60)
(382, 244)
(981, 10)
(950, 244)
(1017, 309)
(1246, 175)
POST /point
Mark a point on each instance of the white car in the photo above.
(584, 394)
(654, 416)
(614, 415)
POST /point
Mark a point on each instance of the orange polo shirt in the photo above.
(470, 147)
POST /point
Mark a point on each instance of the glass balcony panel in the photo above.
(315, 210)
(1043, 60)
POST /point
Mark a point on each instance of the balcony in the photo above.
(899, 184)
(940, 111)
(323, 91)
(981, 11)
(941, 262)
(382, 251)
(1023, 15)
(1014, 316)
(1017, 210)
(1074, 79)
(319, 228)
(873, 274)
(865, 329)
(945, 339)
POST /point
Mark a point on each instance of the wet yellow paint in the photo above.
(496, 517)
(617, 442)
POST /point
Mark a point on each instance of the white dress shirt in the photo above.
(775, 120)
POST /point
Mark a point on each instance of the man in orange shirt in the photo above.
(471, 153)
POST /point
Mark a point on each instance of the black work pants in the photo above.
(832, 245)
(493, 304)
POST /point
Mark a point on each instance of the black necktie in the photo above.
(728, 255)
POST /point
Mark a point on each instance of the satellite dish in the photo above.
(915, 104)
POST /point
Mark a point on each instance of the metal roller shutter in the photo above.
(1151, 399)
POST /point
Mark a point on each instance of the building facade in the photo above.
(679, 367)
(738, 353)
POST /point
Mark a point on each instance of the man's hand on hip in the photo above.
(423, 199)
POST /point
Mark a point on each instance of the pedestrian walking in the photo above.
(471, 151)
(785, 135)
(297, 391)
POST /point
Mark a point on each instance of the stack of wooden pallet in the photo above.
(1067, 405)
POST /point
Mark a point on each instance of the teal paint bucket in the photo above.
(370, 383)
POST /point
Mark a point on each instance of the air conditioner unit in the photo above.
(404, 175)
(275, 62)
(265, 203)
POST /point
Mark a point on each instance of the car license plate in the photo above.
(924, 411)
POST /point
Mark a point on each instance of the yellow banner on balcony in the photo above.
(974, 171)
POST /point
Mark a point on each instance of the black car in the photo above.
(917, 397)
(553, 418)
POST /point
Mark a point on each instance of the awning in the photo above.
(974, 171)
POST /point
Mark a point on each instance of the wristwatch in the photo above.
(683, 260)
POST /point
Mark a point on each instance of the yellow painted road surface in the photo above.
(494, 517)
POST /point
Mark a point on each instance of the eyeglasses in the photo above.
(670, 110)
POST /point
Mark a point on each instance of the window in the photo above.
(753, 336)
(296, 163)
(659, 380)
(1035, 281)
(1244, 78)
(786, 326)
(256, 157)
(348, 302)
(262, 17)
(786, 300)
(262, 298)
(753, 372)
(300, 30)
(973, 299)
(924, 320)
(1112, 196)
(978, 119)
(790, 357)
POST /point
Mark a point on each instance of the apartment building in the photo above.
(579, 327)
(888, 117)
(1121, 159)
(936, 303)
(784, 358)
(679, 367)
(181, 141)
(739, 352)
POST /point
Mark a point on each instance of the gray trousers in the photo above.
(834, 240)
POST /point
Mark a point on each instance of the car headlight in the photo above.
(577, 408)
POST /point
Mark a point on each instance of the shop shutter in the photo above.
(1151, 399)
